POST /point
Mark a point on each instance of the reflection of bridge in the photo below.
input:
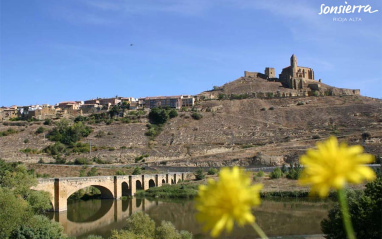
(116, 211)
(110, 186)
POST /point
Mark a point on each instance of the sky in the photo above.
(53, 51)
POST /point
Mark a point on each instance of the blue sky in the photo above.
(52, 51)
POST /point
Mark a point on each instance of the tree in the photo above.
(141, 224)
(114, 111)
(365, 211)
(14, 211)
(38, 227)
(199, 174)
(158, 116)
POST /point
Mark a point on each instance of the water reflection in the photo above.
(277, 218)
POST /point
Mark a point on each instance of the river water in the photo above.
(287, 217)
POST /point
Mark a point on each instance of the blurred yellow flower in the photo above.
(332, 165)
(225, 201)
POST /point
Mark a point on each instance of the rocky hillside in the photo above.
(247, 132)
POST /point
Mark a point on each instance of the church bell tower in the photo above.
(293, 64)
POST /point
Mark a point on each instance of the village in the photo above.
(67, 109)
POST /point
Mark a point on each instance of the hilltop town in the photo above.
(257, 119)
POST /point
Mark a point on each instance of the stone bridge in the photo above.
(111, 187)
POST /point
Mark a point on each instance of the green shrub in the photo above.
(92, 172)
(284, 169)
(137, 171)
(119, 172)
(141, 224)
(48, 122)
(7, 132)
(271, 108)
(365, 212)
(173, 113)
(263, 109)
(199, 174)
(276, 173)
(196, 116)
(59, 159)
(260, 174)
(26, 141)
(212, 171)
(30, 151)
(294, 172)
(68, 134)
(40, 130)
(82, 161)
(126, 120)
(153, 130)
(158, 116)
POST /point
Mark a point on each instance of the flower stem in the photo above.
(259, 231)
(345, 214)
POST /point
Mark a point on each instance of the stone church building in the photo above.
(296, 77)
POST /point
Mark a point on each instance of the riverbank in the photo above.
(281, 187)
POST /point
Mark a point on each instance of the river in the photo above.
(281, 217)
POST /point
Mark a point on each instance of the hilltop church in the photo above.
(296, 77)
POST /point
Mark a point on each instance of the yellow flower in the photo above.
(332, 165)
(220, 203)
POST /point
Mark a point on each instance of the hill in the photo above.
(250, 131)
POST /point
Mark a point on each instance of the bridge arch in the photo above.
(163, 181)
(151, 183)
(138, 185)
(126, 190)
(105, 192)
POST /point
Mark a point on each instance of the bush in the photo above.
(153, 130)
(365, 211)
(93, 172)
(199, 174)
(40, 130)
(271, 108)
(82, 161)
(48, 122)
(137, 171)
(212, 171)
(284, 169)
(30, 151)
(260, 174)
(68, 134)
(26, 141)
(196, 116)
(141, 224)
(173, 113)
(276, 173)
(7, 132)
(294, 172)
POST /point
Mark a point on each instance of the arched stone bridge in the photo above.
(111, 187)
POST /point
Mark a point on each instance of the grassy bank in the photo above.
(182, 190)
